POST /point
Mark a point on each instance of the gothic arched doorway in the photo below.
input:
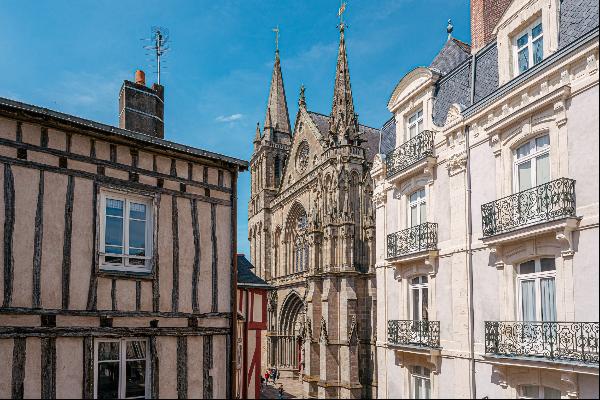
(288, 347)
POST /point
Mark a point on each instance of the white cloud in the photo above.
(228, 118)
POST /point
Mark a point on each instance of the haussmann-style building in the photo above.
(312, 232)
(486, 202)
(118, 260)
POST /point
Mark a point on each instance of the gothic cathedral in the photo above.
(312, 237)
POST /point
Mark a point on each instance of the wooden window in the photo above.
(126, 232)
(121, 369)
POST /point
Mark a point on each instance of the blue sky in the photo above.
(72, 56)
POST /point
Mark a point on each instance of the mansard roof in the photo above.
(452, 54)
(367, 133)
(277, 116)
(388, 136)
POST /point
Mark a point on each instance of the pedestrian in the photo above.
(274, 375)
(277, 371)
(280, 391)
(267, 376)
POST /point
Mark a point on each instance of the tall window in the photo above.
(421, 382)
(417, 207)
(125, 232)
(529, 47)
(538, 392)
(120, 369)
(277, 168)
(415, 124)
(537, 291)
(532, 163)
(419, 288)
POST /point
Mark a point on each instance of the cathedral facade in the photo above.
(312, 237)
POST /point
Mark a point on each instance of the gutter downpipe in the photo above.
(470, 239)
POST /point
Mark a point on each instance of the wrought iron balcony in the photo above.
(408, 153)
(562, 341)
(414, 333)
(543, 203)
(418, 238)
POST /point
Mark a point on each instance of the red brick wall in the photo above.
(485, 14)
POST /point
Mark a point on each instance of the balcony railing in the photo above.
(408, 153)
(418, 238)
(547, 202)
(414, 333)
(562, 341)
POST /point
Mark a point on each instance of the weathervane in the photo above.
(341, 14)
(276, 30)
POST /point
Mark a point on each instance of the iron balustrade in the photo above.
(547, 202)
(414, 333)
(418, 238)
(410, 152)
(563, 341)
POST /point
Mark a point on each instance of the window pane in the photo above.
(416, 305)
(542, 141)
(114, 231)
(527, 267)
(137, 211)
(137, 234)
(423, 212)
(547, 264)
(523, 60)
(114, 249)
(413, 216)
(542, 169)
(548, 299)
(524, 176)
(538, 50)
(550, 393)
(412, 118)
(108, 351)
(426, 389)
(108, 380)
(414, 197)
(536, 31)
(424, 305)
(528, 300)
(114, 207)
(412, 131)
(135, 380)
(530, 391)
(523, 150)
(417, 385)
(420, 126)
(136, 349)
(522, 41)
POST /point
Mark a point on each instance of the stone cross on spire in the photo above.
(277, 117)
(343, 123)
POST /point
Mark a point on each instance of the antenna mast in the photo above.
(160, 39)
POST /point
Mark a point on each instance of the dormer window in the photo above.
(415, 124)
(529, 47)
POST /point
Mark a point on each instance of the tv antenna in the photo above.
(159, 46)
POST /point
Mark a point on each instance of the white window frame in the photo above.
(418, 287)
(536, 276)
(421, 374)
(534, 153)
(421, 200)
(529, 46)
(127, 198)
(418, 123)
(122, 365)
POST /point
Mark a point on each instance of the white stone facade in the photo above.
(494, 212)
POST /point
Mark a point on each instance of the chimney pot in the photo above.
(140, 77)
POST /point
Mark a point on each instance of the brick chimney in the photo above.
(141, 109)
(485, 14)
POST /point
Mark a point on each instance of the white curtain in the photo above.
(528, 300)
(548, 299)
(524, 176)
(542, 169)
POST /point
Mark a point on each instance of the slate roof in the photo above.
(371, 135)
(245, 276)
(452, 54)
(388, 136)
(577, 17)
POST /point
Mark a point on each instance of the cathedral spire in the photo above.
(277, 117)
(343, 122)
